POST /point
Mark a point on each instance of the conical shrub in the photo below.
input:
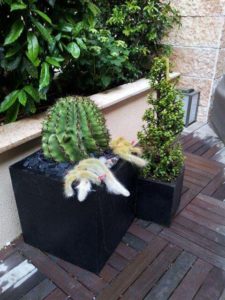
(74, 128)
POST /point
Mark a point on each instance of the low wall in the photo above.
(123, 108)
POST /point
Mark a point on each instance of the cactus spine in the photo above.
(74, 128)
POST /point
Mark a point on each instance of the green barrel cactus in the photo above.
(74, 128)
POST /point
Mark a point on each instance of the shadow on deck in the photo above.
(185, 261)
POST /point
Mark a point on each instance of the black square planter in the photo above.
(158, 201)
(86, 233)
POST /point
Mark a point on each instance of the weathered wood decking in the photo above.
(185, 261)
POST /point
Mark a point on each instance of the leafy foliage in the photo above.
(163, 124)
(51, 48)
(141, 24)
(43, 38)
(104, 62)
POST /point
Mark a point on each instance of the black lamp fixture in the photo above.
(191, 100)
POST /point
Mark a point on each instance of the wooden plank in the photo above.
(133, 270)
(39, 292)
(108, 273)
(10, 249)
(141, 233)
(19, 281)
(200, 182)
(211, 167)
(185, 138)
(211, 152)
(192, 281)
(142, 223)
(117, 261)
(198, 239)
(220, 192)
(186, 198)
(202, 150)
(193, 186)
(202, 230)
(152, 274)
(195, 146)
(213, 286)
(57, 294)
(86, 278)
(184, 189)
(214, 184)
(172, 277)
(205, 163)
(212, 201)
(126, 251)
(190, 143)
(134, 242)
(211, 207)
(56, 274)
(197, 171)
(215, 218)
(10, 262)
(155, 228)
(204, 222)
(197, 250)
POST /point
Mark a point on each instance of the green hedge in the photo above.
(53, 48)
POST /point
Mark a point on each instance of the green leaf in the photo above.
(73, 49)
(51, 2)
(33, 48)
(33, 92)
(18, 6)
(106, 80)
(43, 16)
(46, 33)
(12, 51)
(22, 97)
(9, 100)
(93, 8)
(15, 32)
(53, 61)
(81, 43)
(30, 68)
(30, 107)
(45, 76)
(12, 113)
(13, 63)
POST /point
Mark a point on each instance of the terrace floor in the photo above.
(185, 261)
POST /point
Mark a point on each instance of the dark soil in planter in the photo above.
(86, 233)
(158, 201)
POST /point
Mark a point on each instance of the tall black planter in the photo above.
(85, 233)
(158, 201)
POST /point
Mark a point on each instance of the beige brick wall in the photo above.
(199, 47)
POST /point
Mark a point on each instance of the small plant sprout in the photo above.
(92, 171)
(127, 151)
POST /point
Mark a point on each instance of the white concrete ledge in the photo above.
(20, 132)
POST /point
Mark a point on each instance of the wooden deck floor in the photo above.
(185, 261)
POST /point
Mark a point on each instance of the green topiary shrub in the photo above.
(74, 128)
(163, 124)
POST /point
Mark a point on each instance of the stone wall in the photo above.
(199, 47)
